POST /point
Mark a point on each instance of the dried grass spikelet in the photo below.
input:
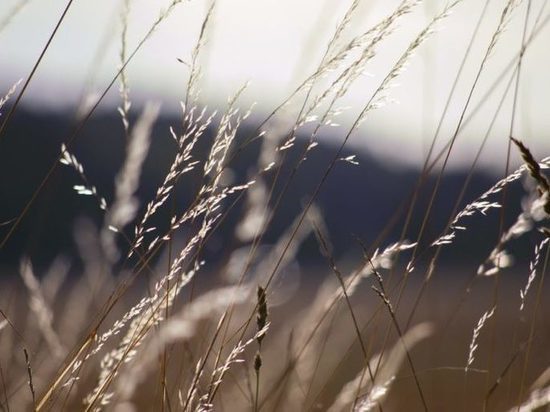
(195, 74)
(148, 313)
(379, 97)
(218, 375)
(8, 95)
(384, 259)
(86, 189)
(505, 19)
(125, 204)
(205, 206)
(162, 16)
(196, 122)
(475, 335)
(343, 25)
(376, 395)
(483, 205)
(364, 41)
(367, 43)
(225, 134)
(315, 320)
(535, 172)
(257, 362)
(261, 323)
(124, 90)
(179, 327)
(38, 305)
(143, 317)
(534, 210)
(532, 270)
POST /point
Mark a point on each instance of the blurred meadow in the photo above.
(276, 205)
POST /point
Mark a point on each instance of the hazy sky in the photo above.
(275, 43)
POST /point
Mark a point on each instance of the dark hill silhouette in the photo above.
(356, 200)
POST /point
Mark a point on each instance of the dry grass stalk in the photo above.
(373, 394)
(146, 327)
(325, 251)
(381, 292)
(29, 374)
(261, 322)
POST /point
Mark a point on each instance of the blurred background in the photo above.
(275, 44)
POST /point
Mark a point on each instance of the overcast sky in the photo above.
(275, 43)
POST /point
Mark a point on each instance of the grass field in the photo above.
(139, 315)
